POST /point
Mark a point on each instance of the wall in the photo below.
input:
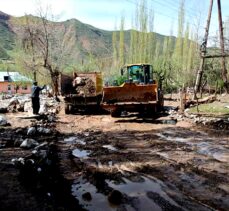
(4, 88)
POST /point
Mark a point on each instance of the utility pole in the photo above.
(203, 50)
(224, 70)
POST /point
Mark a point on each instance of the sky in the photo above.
(106, 14)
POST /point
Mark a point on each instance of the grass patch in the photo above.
(211, 108)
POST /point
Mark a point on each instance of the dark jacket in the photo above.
(36, 90)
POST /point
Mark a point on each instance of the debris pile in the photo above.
(23, 104)
(85, 87)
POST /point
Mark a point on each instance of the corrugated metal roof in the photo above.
(14, 77)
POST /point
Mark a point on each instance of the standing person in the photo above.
(35, 97)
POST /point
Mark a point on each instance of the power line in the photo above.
(173, 7)
(162, 14)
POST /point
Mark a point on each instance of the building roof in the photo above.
(14, 77)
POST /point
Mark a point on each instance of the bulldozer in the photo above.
(140, 92)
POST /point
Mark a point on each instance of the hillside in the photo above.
(7, 36)
(87, 40)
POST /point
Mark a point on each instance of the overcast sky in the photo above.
(105, 13)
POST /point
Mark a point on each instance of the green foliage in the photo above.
(211, 108)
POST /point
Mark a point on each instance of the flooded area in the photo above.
(124, 164)
(153, 166)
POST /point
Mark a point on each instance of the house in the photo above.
(14, 82)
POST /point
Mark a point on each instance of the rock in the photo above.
(44, 145)
(18, 161)
(39, 169)
(51, 118)
(115, 197)
(18, 142)
(20, 107)
(3, 110)
(43, 109)
(44, 130)
(42, 154)
(13, 101)
(31, 131)
(87, 196)
(3, 121)
(29, 143)
(28, 106)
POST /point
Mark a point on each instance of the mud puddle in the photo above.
(74, 140)
(96, 201)
(146, 194)
(110, 147)
(211, 147)
(139, 193)
(81, 153)
(217, 152)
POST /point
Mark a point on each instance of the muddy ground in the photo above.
(96, 162)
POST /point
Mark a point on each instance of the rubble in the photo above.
(3, 121)
(29, 143)
(43, 130)
(31, 131)
(85, 87)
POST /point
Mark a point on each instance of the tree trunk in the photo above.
(55, 83)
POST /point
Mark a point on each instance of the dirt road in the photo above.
(130, 163)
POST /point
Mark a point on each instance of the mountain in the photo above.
(86, 39)
(7, 36)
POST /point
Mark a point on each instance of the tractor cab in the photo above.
(138, 73)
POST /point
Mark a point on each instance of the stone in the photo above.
(43, 109)
(3, 121)
(3, 110)
(51, 118)
(18, 142)
(29, 143)
(31, 131)
(13, 101)
(28, 107)
(44, 130)
(115, 197)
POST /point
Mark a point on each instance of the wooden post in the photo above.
(182, 102)
(224, 70)
(203, 50)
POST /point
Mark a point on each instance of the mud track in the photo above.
(129, 163)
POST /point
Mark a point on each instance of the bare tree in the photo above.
(49, 49)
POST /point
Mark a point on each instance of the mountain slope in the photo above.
(7, 36)
(85, 39)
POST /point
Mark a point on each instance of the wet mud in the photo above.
(101, 163)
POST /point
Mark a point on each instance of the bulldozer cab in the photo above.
(138, 73)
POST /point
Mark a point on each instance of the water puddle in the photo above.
(167, 136)
(110, 147)
(147, 194)
(217, 152)
(144, 194)
(209, 148)
(81, 153)
(98, 200)
(167, 121)
(73, 140)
